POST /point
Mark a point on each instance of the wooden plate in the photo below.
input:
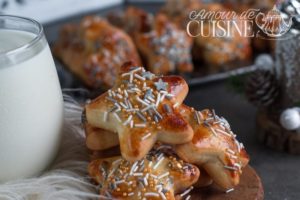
(250, 188)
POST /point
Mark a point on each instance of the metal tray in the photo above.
(69, 81)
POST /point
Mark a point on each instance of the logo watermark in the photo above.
(250, 23)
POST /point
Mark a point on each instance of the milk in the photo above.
(31, 109)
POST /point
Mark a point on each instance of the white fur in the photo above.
(67, 178)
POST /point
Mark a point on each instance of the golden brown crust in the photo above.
(94, 50)
(141, 108)
(133, 20)
(166, 48)
(214, 148)
(157, 176)
(218, 51)
(98, 139)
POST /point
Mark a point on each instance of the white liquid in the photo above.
(31, 111)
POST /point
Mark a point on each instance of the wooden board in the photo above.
(273, 135)
(250, 188)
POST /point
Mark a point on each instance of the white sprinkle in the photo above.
(160, 156)
(129, 103)
(146, 136)
(238, 145)
(111, 172)
(128, 120)
(162, 98)
(197, 117)
(157, 100)
(223, 132)
(131, 78)
(118, 107)
(126, 74)
(237, 165)
(147, 101)
(138, 174)
(130, 194)
(117, 117)
(142, 101)
(133, 167)
(111, 99)
(131, 123)
(185, 167)
(113, 93)
(188, 197)
(116, 161)
(141, 116)
(150, 164)
(151, 99)
(157, 114)
(158, 163)
(139, 125)
(119, 182)
(233, 156)
(123, 105)
(242, 145)
(164, 175)
(126, 94)
(132, 109)
(105, 116)
(186, 191)
(136, 89)
(162, 195)
(230, 151)
(139, 77)
(142, 162)
(213, 131)
(163, 92)
(145, 181)
(230, 168)
(154, 176)
(170, 95)
(176, 105)
(109, 93)
(159, 188)
(147, 108)
(151, 194)
(120, 96)
(230, 190)
(135, 70)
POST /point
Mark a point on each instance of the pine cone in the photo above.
(291, 8)
(262, 88)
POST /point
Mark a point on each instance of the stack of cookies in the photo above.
(166, 148)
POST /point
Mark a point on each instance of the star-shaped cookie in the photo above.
(159, 176)
(141, 109)
(214, 147)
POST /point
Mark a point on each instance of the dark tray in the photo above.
(198, 77)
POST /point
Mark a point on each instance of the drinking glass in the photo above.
(31, 103)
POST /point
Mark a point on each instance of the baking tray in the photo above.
(199, 77)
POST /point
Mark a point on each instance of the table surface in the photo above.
(280, 172)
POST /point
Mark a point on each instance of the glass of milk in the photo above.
(31, 103)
